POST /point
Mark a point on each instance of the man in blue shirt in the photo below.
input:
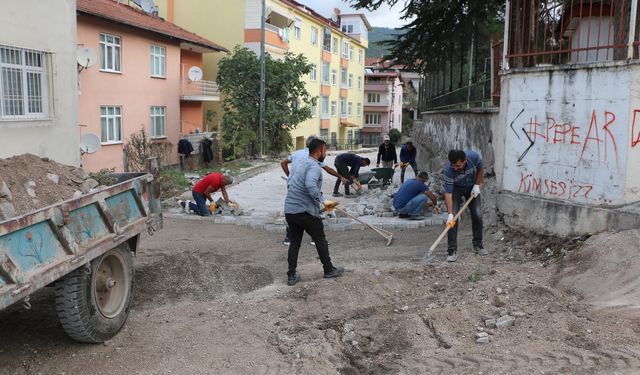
(408, 155)
(348, 166)
(410, 199)
(302, 211)
(463, 176)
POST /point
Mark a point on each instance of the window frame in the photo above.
(334, 77)
(162, 57)
(350, 109)
(334, 45)
(313, 74)
(314, 36)
(345, 49)
(326, 68)
(343, 107)
(334, 108)
(297, 28)
(153, 117)
(102, 51)
(359, 109)
(344, 78)
(375, 95)
(359, 82)
(324, 104)
(114, 117)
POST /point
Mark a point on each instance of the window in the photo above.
(313, 75)
(334, 139)
(347, 28)
(372, 119)
(350, 137)
(334, 77)
(314, 110)
(326, 72)
(157, 122)
(360, 56)
(350, 53)
(350, 80)
(343, 107)
(326, 39)
(334, 108)
(359, 83)
(345, 49)
(109, 53)
(373, 97)
(344, 78)
(24, 89)
(324, 134)
(111, 124)
(359, 109)
(157, 61)
(350, 109)
(297, 31)
(314, 36)
(334, 45)
(324, 107)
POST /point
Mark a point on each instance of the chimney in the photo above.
(336, 15)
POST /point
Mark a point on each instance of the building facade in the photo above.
(140, 81)
(382, 107)
(38, 101)
(334, 47)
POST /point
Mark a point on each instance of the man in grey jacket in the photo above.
(302, 211)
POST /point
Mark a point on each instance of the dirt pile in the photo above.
(28, 183)
(605, 270)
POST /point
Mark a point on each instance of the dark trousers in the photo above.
(475, 208)
(344, 171)
(298, 224)
(200, 207)
(414, 166)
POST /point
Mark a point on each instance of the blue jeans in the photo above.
(200, 207)
(413, 166)
(415, 206)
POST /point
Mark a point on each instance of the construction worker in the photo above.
(202, 191)
(387, 153)
(294, 159)
(302, 211)
(463, 176)
(408, 155)
(410, 199)
(348, 166)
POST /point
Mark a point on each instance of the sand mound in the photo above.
(28, 183)
(606, 270)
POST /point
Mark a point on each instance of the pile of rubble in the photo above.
(28, 183)
(376, 202)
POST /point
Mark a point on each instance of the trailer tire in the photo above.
(93, 306)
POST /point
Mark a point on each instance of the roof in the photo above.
(383, 75)
(126, 15)
(361, 15)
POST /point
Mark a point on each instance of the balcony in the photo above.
(203, 91)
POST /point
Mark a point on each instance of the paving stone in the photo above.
(490, 323)
(5, 192)
(53, 177)
(505, 321)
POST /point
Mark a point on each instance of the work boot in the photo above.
(417, 217)
(452, 257)
(286, 241)
(404, 216)
(480, 251)
(351, 196)
(293, 279)
(335, 272)
(337, 194)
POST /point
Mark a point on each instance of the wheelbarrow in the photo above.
(383, 177)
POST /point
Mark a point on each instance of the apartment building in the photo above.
(38, 102)
(382, 107)
(140, 80)
(334, 46)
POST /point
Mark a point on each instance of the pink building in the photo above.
(139, 81)
(382, 106)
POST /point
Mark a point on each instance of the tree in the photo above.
(439, 29)
(287, 101)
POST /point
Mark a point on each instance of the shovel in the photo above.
(428, 257)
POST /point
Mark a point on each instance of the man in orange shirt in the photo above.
(203, 189)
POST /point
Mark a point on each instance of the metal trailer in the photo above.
(83, 247)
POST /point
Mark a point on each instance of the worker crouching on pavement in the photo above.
(348, 166)
(302, 211)
(463, 176)
(202, 191)
(410, 199)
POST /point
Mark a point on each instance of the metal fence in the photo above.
(554, 32)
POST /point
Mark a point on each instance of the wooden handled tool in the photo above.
(428, 257)
(384, 233)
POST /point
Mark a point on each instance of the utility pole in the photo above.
(262, 74)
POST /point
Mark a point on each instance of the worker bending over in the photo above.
(202, 191)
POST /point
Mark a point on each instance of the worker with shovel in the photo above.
(302, 211)
(463, 176)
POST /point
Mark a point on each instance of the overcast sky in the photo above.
(383, 17)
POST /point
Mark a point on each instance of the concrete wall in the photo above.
(133, 89)
(49, 27)
(440, 131)
(577, 124)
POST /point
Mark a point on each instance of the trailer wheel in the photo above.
(93, 306)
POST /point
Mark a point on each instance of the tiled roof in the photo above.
(124, 14)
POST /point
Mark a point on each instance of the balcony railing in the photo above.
(207, 91)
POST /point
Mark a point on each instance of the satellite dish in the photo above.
(90, 143)
(148, 6)
(195, 73)
(86, 57)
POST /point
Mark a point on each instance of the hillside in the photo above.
(379, 34)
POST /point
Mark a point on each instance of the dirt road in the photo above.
(211, 299)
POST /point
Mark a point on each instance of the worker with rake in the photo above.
(463, 176)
